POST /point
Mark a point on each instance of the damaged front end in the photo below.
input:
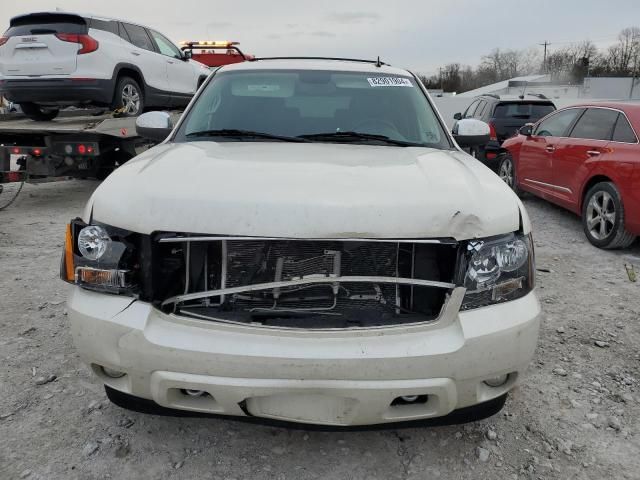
(300, 283)
(304, 283)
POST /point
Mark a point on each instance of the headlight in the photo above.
(498, 270)
(100, 257)
(93, 242)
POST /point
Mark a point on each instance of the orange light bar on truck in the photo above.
(208, 43)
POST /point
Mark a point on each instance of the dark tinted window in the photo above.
(471, 109)
(595, 124)
(139, 37)
(623, 131)
(524, 110)
(104, 25)
(480, 110)
(41, 24)
(558, 124)
(123, 33)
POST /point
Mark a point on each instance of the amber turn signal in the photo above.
(69, 273)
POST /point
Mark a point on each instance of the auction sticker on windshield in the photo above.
(389, 82)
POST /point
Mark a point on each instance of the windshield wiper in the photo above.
(357, 136)
(235, 133)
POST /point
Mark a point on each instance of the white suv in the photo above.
(309, 244)
(54, 59)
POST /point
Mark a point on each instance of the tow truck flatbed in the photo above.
(71, 122)
(76, 144)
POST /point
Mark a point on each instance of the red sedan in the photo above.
(585, 158)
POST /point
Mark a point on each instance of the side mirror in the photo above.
(526, 130)
(187, 54)
(470, 132)
(457, 116)
(154, 126)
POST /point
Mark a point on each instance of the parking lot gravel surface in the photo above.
(576, 415)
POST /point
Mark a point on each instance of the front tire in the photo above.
(603, 217)
(128, 98)
(507, 172)
(39, 113)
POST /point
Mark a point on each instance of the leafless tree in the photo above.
(623, 57)
(570, 63)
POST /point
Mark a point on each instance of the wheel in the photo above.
(603, 217)
(507, 172)
(39, 113)
(128, 97)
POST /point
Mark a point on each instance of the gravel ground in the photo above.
(576, 416)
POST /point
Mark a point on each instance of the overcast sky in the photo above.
(417, 34)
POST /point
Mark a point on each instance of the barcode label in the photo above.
(389, 82)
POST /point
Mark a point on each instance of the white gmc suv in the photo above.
(309, 244)
(54, 59)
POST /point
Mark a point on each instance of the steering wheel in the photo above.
(373, 122)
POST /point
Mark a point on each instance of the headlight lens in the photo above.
(100, 257)
(93, 242)
(498, 270)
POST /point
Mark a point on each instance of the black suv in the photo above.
(505, 115)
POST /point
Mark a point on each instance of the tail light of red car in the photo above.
(88, 43)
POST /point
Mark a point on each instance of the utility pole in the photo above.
(635, 68)
(544, 61)
(441, 84)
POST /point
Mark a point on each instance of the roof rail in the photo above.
(377, 62)
(493, 95)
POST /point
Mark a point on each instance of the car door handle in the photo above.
(137, 54)
(593, 153)
(171, 62)
(550, 149)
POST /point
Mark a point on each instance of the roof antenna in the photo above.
(526, 83)
(378, 63)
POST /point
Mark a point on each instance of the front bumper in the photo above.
(57, 90)
(341, 378)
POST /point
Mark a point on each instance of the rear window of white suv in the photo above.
(43, 24)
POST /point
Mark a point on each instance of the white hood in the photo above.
(303, 190)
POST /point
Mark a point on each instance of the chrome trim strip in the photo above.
(564, 189)
(307, 281)
(379, 240)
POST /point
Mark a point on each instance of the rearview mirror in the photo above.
(526, 129)
(154, 126)
(470, 132)
(457, 116)
(187, 54)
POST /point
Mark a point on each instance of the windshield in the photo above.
(312, 105)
